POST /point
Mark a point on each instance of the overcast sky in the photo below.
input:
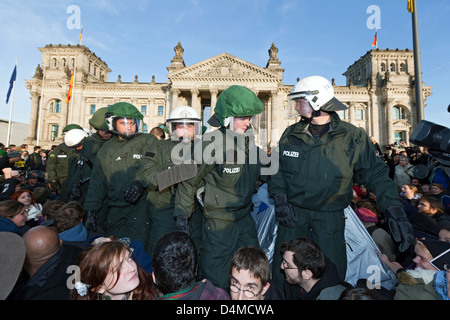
(314, 37)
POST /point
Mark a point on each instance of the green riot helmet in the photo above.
(71, 127)
(236, 101)
(98, 120)
(123, 119)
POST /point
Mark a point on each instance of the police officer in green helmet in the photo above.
(57, 166)
(115, 173)
(225, 183)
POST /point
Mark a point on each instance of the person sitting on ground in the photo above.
(68, 223)
(175, 270)
(44, 275)
(48, 211)
(250, 276)
(381, 237)
(108, 272)
(13, 217)
(310, 275)
(417, 283)
(444, 234)
(139, 255)
(33, 209)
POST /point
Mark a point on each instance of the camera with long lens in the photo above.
(436, 138)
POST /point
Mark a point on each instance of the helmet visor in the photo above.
(125, 127)
(299, 106)
(186, 130)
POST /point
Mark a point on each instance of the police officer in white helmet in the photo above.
(320, 158)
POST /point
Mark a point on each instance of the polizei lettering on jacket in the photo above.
(232, 170)
(293, 154)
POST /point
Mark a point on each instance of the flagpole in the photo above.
(74, 78)
(40, 108)
(10, 111)
(417, 69)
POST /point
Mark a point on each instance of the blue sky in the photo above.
(137, 37)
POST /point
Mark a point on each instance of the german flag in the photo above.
(375, 40)
(410, 6)
(69, 94)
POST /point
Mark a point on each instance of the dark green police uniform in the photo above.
(229, 179)
(117, 166)
(156, 159)
(317, 176)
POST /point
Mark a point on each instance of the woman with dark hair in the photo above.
(108, 272)
(12, 217)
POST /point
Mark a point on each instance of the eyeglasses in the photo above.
(248, 293)
(286, 265)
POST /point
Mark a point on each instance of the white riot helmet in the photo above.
(184, 116)
(75, 137)
(318, 91)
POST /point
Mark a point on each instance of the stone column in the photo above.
(389, 120)
(277, 114)
(174, 104)
(351, 112)
(194, 103)
(214, 92)
(34, 116)
(368, 114)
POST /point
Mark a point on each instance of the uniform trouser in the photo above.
(131, 221)
(162, 222)
(327, 231)
(221, 239)
(195, 228)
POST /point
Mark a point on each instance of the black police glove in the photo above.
(90, 220)
(182, 224)
(401, 229)
(284, 212)
(133, 192)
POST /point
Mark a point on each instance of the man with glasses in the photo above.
(250, 276)
(305, 266)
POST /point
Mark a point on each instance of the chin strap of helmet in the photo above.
(306, 120)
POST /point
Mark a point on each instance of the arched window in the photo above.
(55, 106)
(72, 62)
(399, 113)
(392, 67)
(64, 62)
(383, 67)
(54, 62)
(402, 67)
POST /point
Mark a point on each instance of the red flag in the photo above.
(69, 94)
(375, 40)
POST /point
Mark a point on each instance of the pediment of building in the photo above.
(224, 67)
(401, 125)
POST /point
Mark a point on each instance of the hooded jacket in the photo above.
(329, 286)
